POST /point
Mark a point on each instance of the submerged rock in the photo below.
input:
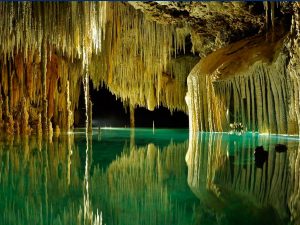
(280, 148)
(261, 156)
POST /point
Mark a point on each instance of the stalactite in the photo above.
(145, 57)
(273, 14)
(259, 92)
(292, 68)
(205, 111)
(48, 44)
(266, 8)
(40, 41)
(10, 125)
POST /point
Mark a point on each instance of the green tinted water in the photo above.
(143, 177)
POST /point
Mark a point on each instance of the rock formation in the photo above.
(143, 52)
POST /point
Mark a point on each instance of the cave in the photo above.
(161, 112)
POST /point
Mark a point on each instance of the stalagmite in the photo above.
(10, 125)
(39, 126)
(131, 112)
(88, 104)
(57, 131)
(44, 85)
(90, 111)
(50, 131)
(25, 128)
(69, 111)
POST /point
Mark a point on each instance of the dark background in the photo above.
(109, 111)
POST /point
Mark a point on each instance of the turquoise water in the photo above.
(141, 176)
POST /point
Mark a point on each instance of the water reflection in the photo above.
(62, 181)
(223, 175)
(35, 177)
(137, 177)
(139, 185)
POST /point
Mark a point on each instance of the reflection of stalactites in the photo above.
(1, 111)
(138, 183)
(219, 163)
(26, 148)
(205, 154)
(31, 171)
(45, 178)
(89, 217)
(294, 193)
(86, 200)
(132, 138)
(69, 157)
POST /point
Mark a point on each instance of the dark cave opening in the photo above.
(108, 111)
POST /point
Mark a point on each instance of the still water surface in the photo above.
(123, 176)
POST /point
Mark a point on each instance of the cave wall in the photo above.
(252, 83)
(245, 83)
(22, 95)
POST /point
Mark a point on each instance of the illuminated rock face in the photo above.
(214, 24)
(247, 82)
